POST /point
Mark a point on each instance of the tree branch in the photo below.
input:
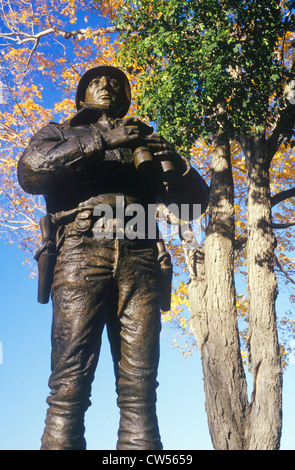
(282, 226)
(283, 270)
(31, 54)
(22, 37)
(282, 196)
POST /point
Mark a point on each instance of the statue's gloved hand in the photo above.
(160, 147)
(129, 133)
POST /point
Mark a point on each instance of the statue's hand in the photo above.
(128, 136)
(130, 133)
(145, 128)
(160, 147)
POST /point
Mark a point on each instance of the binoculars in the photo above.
(144, 163)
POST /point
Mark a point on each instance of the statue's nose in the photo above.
(104, 82)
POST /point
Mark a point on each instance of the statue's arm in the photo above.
(189, 188)
(55, 157)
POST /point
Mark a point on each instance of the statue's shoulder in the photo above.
(59, 125)
(51, 130)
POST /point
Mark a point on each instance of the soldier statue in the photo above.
(120, 282)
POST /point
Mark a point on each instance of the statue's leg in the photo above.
(80, 303)
(139, 317)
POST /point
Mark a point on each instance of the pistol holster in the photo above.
(46, 258)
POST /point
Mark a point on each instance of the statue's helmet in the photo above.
(110, 71)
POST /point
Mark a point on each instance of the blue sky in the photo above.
(25, 338)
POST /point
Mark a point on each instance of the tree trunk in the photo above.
(213, 313)
(265, 418)
(234, 423)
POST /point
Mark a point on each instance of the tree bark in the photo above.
(213, 312)
(265, 418)
(234, 423)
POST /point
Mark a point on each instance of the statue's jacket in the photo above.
(69, 165)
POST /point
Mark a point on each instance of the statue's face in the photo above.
(103, 92)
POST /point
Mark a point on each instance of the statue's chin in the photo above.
(111, 109)
(102, 106)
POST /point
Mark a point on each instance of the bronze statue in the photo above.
(94, 280)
